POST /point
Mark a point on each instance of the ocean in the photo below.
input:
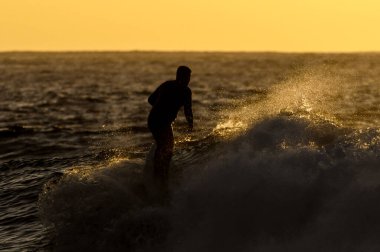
(284, 156)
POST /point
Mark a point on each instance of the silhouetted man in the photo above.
(166, 101)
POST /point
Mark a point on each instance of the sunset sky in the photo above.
(205, 25)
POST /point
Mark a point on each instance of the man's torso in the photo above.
(171, 97)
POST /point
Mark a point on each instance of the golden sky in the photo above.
(206, 25)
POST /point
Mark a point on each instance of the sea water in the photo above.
(284, 156)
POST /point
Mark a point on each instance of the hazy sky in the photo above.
(227, 25)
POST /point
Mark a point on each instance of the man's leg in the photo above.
(164, 152)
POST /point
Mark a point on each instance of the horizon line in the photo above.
(187, 51)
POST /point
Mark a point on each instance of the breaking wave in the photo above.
(286, 183)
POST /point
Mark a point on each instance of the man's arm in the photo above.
(188, 110)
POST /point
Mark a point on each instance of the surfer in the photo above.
(166, 101)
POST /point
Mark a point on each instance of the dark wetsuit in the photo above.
(168, 98)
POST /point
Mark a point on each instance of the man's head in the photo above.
(183, 75)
